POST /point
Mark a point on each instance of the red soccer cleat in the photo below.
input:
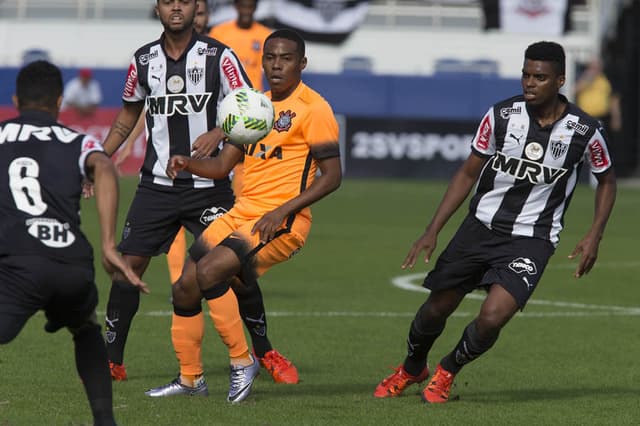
(280, 368)
(397, 382)
(437, 391)
(118, 372)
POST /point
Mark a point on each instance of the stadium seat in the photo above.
(35, 54)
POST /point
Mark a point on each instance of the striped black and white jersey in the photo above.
(531, 173)
(181, 100)
(43, 165)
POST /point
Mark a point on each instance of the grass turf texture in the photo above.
(335, 313)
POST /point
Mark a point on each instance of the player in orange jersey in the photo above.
(246, 37)
(271, 218)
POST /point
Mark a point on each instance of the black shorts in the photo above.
(65, 291)
(157, 213)
(478, 257)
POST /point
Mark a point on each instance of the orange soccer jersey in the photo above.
(281, 166)
(247, 44)
(277, 169)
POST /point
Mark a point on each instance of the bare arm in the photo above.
(326, 183)
(122, 126)
(217, 167)
(103, 173)
(126, 151)
(590, 243)
(456, 193)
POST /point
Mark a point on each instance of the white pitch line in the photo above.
(408, 282)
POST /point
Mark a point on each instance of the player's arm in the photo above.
(458, 190)
(604, 201)
(323, 185)
(101, 171)
(122, 126)
(217, 167)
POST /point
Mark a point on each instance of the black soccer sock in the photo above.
(254, 317)
(470, 347)
(419, 342)
(93, 367)
(124, 300)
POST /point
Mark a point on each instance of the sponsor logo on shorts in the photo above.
(126, 231)
(211, 214)
(522, 265)
(293, 253)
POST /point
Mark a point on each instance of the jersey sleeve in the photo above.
(133, 91)
(89, 145)
(321, 130)
(597, 153)
(232, 74)
(484, 141)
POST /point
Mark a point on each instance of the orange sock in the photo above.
(176, 255)
(186, 335)
(225, 314)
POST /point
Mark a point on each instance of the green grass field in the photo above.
(569, 359)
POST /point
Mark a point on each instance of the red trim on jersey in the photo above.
(132, 82)
(231, 73)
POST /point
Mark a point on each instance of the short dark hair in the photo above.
(39, 84)
(289, 34)
(547, 51)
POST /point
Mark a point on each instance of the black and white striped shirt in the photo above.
(527, 183)
(181, 99)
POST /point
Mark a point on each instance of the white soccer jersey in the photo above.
(527, 183)
(181, 100)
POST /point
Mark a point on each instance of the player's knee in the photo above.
(185, 294)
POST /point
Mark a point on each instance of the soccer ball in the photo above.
(246, 116)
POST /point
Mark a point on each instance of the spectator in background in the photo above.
(201, 22)
(82, 93)
(246, 37)
(596, 96)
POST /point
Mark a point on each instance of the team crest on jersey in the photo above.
(284, 121)
(175, 84)
(195, 74)
(507, 112)
(558, 148)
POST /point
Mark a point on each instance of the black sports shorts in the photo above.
(157, 212)
(65, 291)
(477, 257)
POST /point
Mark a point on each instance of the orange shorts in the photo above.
(263, 256)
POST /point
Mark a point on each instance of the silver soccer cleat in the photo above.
(240, 381)
(177, 388)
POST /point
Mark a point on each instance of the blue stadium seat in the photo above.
(35, 54)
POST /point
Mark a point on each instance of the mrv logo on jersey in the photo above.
(178, 103)
(521, 168)
(50, 232)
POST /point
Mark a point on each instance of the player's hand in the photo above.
(176, 164)
(587, 248)
(206, 143)
(268, 225)
(426, 242)
(112, 261)
(87, 189)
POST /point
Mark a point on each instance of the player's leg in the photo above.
(478, 337)
(149, 230)
(176, 255)
(426, 327)
(256, 262)
(515, 266)
(122, 306)
(187, 331)
(93, 368)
